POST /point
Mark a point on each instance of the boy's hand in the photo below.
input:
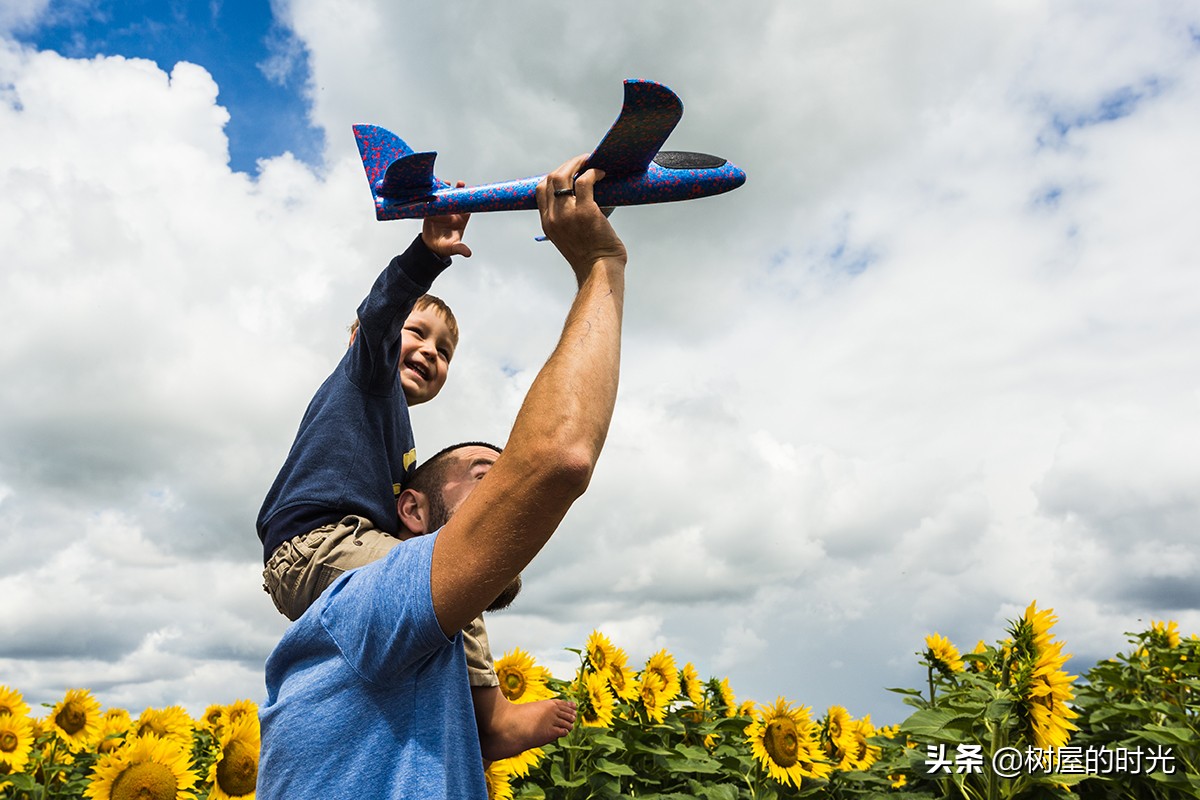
(443, 235)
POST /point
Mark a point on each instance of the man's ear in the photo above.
(413, 510)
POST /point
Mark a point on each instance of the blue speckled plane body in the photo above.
(636, 170)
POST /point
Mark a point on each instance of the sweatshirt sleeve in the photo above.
(373, 358)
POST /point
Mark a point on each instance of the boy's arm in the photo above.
(376, 346)
(560, 430)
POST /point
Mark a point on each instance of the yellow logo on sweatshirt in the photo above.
(410, 458)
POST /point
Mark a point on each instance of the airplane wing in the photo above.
(651, 111)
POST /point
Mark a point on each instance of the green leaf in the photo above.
(611, 742)
(1161, 734)
(21, 782)
(999, 709)
(934, 723)
(722, 791)
(644, 748)
(692, 752)
(613, 768)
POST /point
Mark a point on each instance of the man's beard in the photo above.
(505, 598)
(439, 515)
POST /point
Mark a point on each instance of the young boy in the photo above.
(332, 507)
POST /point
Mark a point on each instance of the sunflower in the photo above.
(11, 703)
(723, 696)
(744, 709)
(48, 745)
(166, 723)
(600, 651)
(942, 654)
(147, 768)
(214, 719)
(76, 720)
(660, 670)
(520, 764)
(114, 724)
(859, 754)
(986, 664)
(521, 680)
(16, 742)
(1048, 696)
(498, 777)
(1165, 634)
(690, 685)
(240, 708)
(621, 679)
(784, 740)
(652, 701)
(234, 775)
(835, 733)
(596, 710)
(1042, 687)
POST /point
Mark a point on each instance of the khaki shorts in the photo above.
(303, 567)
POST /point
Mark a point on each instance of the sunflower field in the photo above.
(1004, 721)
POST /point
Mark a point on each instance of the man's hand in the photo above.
(574, 222)
(443, 235)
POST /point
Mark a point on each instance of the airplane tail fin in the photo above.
(393, 170)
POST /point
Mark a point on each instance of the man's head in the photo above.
(427, 344)
(436, 488)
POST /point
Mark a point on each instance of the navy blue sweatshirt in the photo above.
(355, 443)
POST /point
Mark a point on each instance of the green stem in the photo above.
(993, 779)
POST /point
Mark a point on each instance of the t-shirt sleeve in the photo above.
(381, 616)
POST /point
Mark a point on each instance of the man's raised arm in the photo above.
(560, 429)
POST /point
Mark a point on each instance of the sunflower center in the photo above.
(237, 774)
(8, 741)
(154, 726)
(782, 742)
(145, 781)
(598, 659)
(514, 685)
(617, 678)
(72, 718)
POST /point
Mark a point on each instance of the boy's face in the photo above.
(426, 348)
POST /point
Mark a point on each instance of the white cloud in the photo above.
(933, 361)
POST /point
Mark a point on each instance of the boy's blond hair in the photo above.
(427, 301)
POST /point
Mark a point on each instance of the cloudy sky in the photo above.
(939, 357)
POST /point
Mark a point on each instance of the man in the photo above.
(367, 694)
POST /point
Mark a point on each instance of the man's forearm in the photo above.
(571, 402)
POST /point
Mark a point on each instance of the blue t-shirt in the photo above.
(367, 698)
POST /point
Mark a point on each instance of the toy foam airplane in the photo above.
(636, 171)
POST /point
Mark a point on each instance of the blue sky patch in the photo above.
(259, 67)
(1117, 104)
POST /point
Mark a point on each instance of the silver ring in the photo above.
(564, 192)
